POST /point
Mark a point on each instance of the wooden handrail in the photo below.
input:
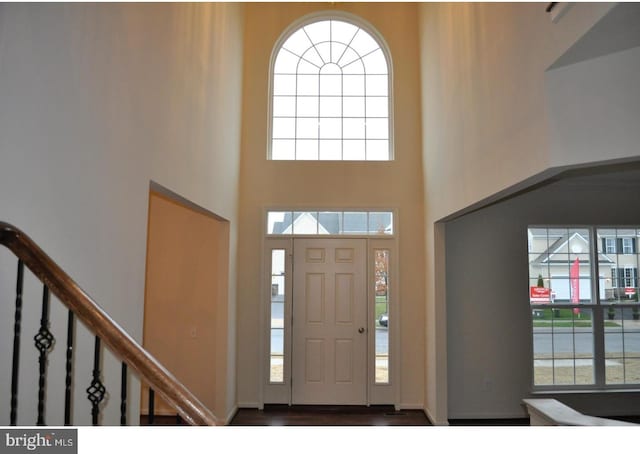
(97, 320)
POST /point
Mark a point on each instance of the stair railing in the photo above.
(105, 329)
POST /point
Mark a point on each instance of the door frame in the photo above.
(377, 393)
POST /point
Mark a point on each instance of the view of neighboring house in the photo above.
(621, 245)
(562, 258)
(330, 223)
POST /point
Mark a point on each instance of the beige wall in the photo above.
(98, 100)
(186, 294)
(485, 106)
(391, 185)
(485, 124)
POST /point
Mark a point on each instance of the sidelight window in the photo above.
(276, 358)
(382, 300)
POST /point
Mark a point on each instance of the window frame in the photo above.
(610, 246)
(598, 307)
(376, 35)
(285, 276)
(353, 234)
(629, 276)
(378, 393)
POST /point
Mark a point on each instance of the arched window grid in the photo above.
(353, 122)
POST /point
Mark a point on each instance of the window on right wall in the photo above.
(583, 295)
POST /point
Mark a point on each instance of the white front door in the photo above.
(329, 355)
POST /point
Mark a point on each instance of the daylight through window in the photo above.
(365, 223)
(583, 291)
(330, 95)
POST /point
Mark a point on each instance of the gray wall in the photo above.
(594, 109)
(496, 117)
(488, 315)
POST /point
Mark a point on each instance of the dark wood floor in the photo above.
(329, 415)
(283, 415)
(313, 415)
(161, 420)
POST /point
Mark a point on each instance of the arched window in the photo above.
(330, 95)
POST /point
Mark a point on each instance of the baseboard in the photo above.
(248, 405)
(410, 406)
(494, 416)
(230, 415)
(426, 412)
(490, 422)
(433, 420)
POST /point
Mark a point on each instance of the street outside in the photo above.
(562, 355)
(565, 357)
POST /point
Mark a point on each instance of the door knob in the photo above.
(361, 330)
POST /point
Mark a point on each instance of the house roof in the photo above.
(332, 222)
(562, 247)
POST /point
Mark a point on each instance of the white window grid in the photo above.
(629, 276)
(330, 95)
(598, 310)
(359, 223)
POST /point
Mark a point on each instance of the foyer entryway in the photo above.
(331, 308)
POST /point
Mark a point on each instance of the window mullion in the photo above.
(318, 141)
(295, 120)
(310, 53)
(597, 314)
(366, 138)
(341, 114)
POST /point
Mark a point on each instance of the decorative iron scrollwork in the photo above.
(96, 390)
(44, 340)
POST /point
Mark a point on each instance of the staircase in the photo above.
(108, 334)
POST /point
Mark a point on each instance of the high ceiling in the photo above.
(618, 30)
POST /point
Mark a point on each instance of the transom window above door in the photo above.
(360, 223)
(330, 95)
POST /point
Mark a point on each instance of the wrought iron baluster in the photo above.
(96, 390)
(44, 341)
(152, 403)
(16, 345)
(123, 396)
(69, 371)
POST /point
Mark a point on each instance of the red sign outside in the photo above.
(574, 278)
(629, 291)
(540, 295)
